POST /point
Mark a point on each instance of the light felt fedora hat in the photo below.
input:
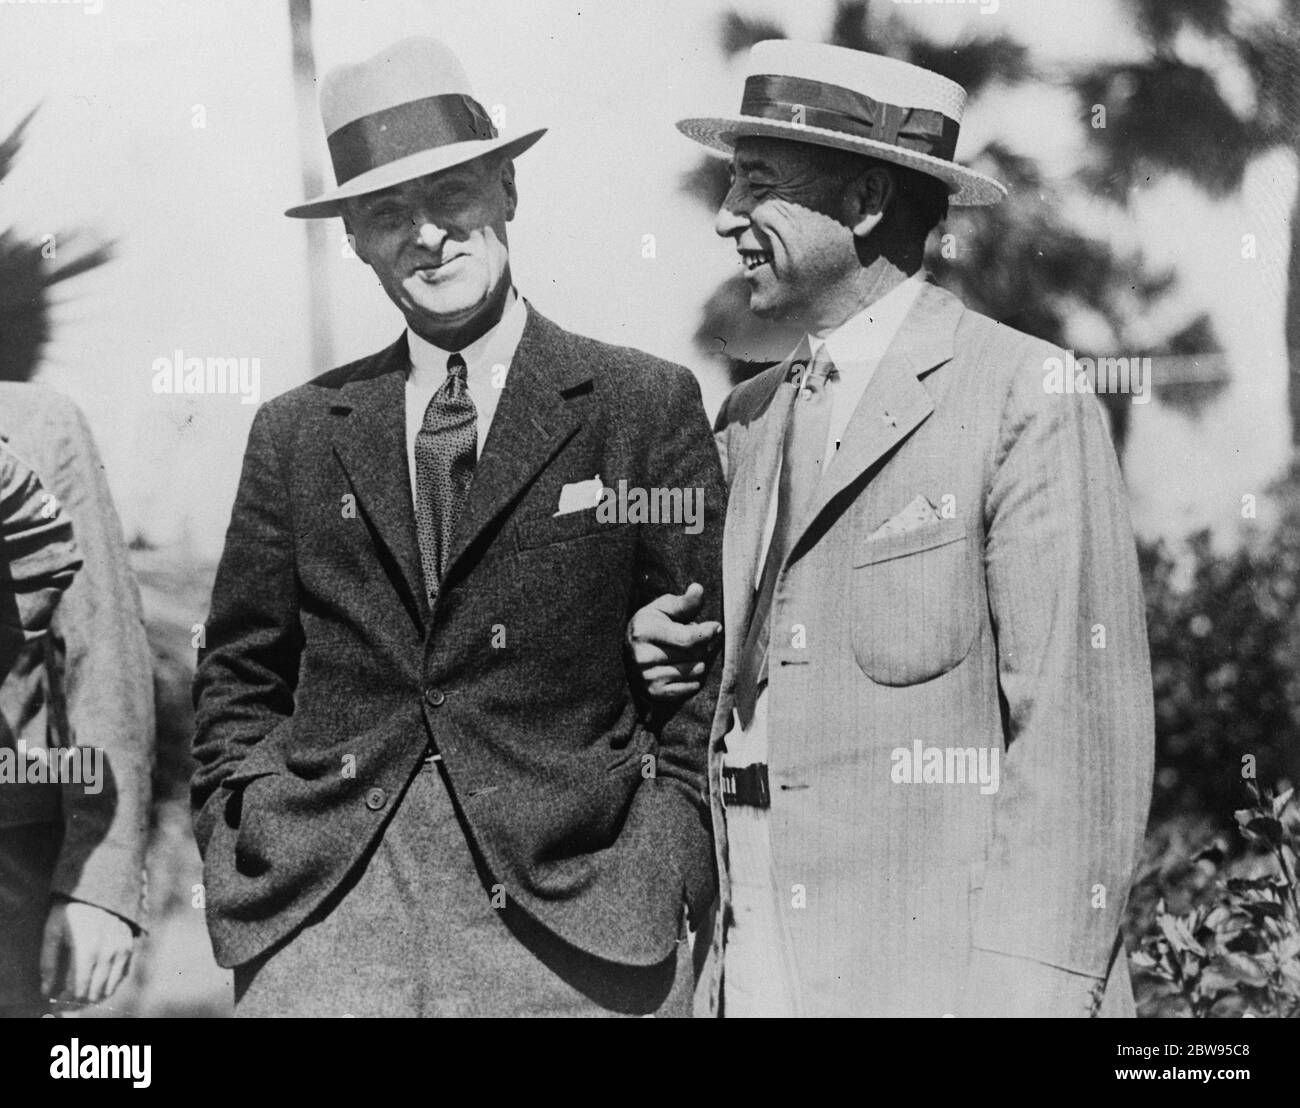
(404, 113)
(852, 100)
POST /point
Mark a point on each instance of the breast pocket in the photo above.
(545, 530)
(915, 603)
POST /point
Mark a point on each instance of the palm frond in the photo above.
(1166, 115)
(1161, 20)
(976, 63)
(740, 32)
(29, 271)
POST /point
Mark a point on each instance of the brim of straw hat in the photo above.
(969, 189)
(425, 162)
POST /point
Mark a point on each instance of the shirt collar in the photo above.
(863, 339)
(495, 347)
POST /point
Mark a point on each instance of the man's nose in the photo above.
(429, 235)
(728, 223)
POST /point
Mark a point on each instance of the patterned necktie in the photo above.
(445, 453)
(801, 469)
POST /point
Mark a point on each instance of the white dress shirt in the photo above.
(856, 348)
(487, 361)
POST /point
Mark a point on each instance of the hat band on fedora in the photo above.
(404, 129)
(808, 103)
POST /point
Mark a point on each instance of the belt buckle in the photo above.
(746, 785)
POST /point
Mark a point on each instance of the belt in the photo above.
(746, 785)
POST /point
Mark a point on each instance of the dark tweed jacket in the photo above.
(324, 674)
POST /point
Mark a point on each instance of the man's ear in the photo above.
(869, 196)
(349, 229)
(508, 184)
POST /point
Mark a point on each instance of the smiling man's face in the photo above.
(787, 217)
(438, 243)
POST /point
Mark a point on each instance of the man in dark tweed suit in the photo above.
(427, 783)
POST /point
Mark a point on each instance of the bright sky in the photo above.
(207, 264)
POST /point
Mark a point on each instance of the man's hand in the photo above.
(85, 954)
(670, 650)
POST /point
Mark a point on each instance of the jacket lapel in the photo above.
(752, 487)
(370, 441)
(539, 411)
(895, 402)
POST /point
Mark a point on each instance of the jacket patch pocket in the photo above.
(915, 604)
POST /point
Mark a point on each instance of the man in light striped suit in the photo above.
(931, 760)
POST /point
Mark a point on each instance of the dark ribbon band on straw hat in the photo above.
(833, 108)
(405, 129)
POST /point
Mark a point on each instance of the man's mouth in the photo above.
(431, 271)
(751, 260)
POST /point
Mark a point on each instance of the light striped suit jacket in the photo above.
(1011, 624)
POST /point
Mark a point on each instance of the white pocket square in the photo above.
(917, 514)
(580, 496)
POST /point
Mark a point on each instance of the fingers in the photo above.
(688, 639)
(101, 966)
(681, 671)
(654, 650)
(81, 965)
(100, 945)
(670, 651)
(651, 629)
(52, 953)
(673, 682)
(678, 690)
(684, 606)
(121, 966)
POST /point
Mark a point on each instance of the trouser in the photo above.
(759, 979)
(28, 854)
(419, 929)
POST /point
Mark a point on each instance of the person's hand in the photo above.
(669, 650)
(85, 952)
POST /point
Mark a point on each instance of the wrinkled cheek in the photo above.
(792, 229)
(493, 251)
(806, 211)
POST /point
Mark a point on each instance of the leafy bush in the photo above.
(1225, 666)
(1232, 946)
(1212, 920)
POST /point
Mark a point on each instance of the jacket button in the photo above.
(434, 696)
(376, 798)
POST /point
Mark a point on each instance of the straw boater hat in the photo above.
(852, 100)
(406, 112)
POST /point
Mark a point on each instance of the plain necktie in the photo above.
(445, 454)
(801, 468)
